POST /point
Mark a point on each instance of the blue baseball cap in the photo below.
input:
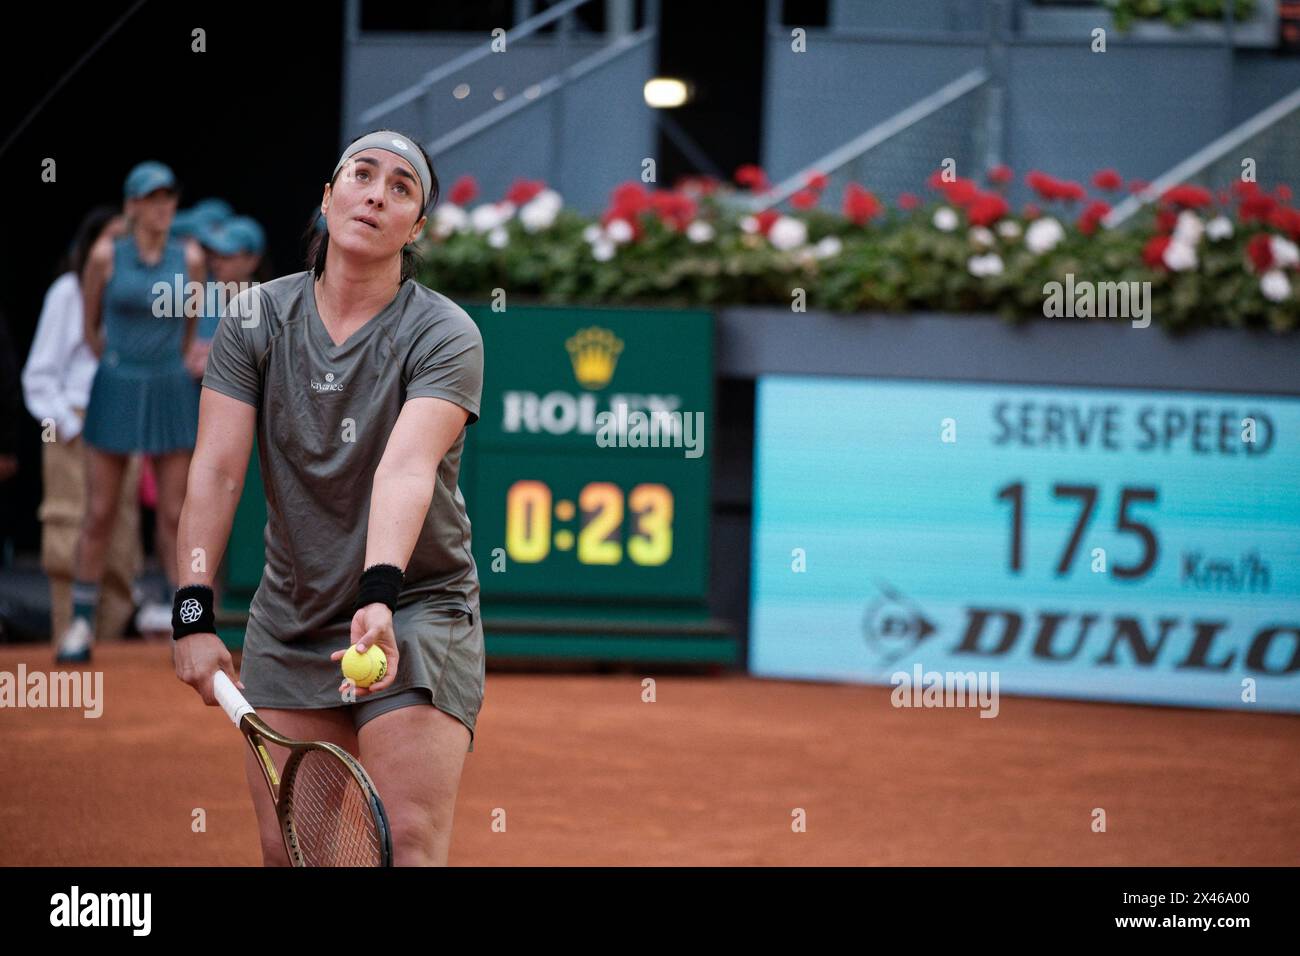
(145, 177)
(235, 235)
(185, 224)
(212, 210)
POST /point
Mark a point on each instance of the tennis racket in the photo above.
(329, 811)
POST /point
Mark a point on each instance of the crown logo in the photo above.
(594, 353)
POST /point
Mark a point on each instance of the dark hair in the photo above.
(74, 260)
(318, 240)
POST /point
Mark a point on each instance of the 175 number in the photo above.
(1087, 496)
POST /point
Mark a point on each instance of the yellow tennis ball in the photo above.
(365, 668)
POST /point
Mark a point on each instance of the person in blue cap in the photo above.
(142, 399)
(235, 252)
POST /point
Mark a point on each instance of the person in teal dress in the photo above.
(143, 399)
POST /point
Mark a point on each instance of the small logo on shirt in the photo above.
(329, 385)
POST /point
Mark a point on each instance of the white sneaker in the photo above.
(153, 617)
(74, 645)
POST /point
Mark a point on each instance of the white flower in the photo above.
(498, 238)
(549, 197)
(448, 219)
(989, 264)
(540, 213)
(592, 232)
(488, 216)
(787, 233)
(1285, 252)
(619, 230)
(1043, 235)
(1188, 228)
(1009, 229)
(1274, 286)
(699, 231)
(830, 246)
(981, 237)
(1179, 256)
(602, 250)
(1220, 227)
(945, 220)
(749, 224)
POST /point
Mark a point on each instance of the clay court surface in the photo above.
(708, 774)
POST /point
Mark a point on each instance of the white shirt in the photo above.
(60, 366)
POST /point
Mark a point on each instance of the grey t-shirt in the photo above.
(324, 414)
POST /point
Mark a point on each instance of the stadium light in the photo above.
(664, 92)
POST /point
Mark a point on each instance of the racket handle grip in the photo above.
(230, 699)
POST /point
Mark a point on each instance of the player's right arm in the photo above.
(231, 394)
(216, 480)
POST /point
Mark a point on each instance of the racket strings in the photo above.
(331, 814)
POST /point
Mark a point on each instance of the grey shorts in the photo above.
(364, 711)
(443, 663)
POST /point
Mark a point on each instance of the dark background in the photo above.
(253, 120)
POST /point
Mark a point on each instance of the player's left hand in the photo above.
(373, 624)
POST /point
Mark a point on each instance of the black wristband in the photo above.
(380, 584)
(192, 611)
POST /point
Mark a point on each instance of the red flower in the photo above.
(627, 202)
(908, 201)
(960, 192)
(1153, 254)
(464, 190)
(1107, 179)
(1092, 217)
(1286, 219)
(1260, 252)
(817, 181)
(860, 205)
(522, 190)
(986, 209)
(804, 199)
(1072, 191)
(936, 180)
(1255, 203)
(1050, 188)
(1000, 174)
(765, 220)
(1031, 211)
(1188, 197)
(675, 210)
(1166, 219)
(752, 177)
(1137, 185)
(1283, 193)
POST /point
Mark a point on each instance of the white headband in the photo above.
(397, 144)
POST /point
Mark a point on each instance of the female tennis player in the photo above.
(359, 383)
(142, 399)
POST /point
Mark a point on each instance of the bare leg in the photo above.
(104, 472)
(415, 756)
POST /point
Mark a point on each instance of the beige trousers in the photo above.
(63, 505)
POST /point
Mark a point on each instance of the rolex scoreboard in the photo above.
(587, 480)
